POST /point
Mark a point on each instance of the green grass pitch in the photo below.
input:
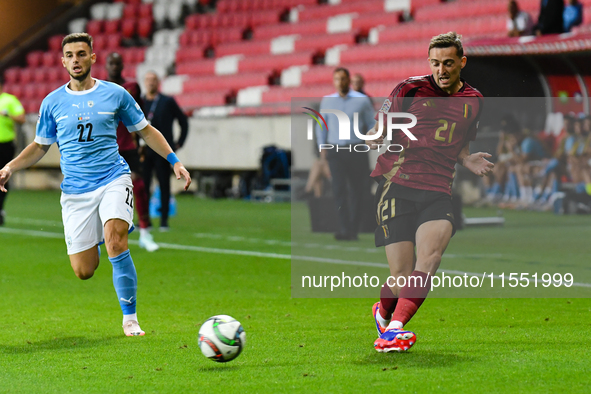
(59, 334)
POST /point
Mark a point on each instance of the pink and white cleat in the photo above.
(395, 340)
(131, 328)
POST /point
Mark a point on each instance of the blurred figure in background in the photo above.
(128, 148)
(358, 84)
(349, 168)
(161, 111)
(573, 15)
(519, 23)
(550, 20)
(11, 111)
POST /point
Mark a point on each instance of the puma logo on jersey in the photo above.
(76, 105)
(429, 103)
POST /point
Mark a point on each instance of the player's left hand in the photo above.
(477, 163)
(180, 170)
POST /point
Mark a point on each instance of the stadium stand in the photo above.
(271, 49)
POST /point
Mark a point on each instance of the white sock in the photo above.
(144, 232)
(127, 318)
(395, 324)
(383, 322)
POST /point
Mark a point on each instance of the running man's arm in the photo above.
(155, 140)
(475, 162)
(28, 157)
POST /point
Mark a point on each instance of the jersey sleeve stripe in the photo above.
(45, 141)
(141, 125)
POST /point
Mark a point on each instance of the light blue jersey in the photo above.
(84, 125)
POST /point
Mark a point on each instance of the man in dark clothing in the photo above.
(550, 20)
(161, 111)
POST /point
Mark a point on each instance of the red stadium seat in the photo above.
(200, 67)
(32, 106)
(131, 11)
(112, 27)
(324, 11)
(113, 41)
(367, 21)
(99, 42)
(26, 75)
(128, 27)
(43, 90)
(94, 27)
(190, 53)
(144, 27)
(259, 18)
(12, 75)
(51, 59)
(254, 47)
(40, 74)
(191, 101)
(275, 62)
(57, 73)
(230, 34)
(282, 29)
(145, 11)
(15, 89)
(229, 82)
(30, 91)
(55, 42)
(34, 58)
(322, 42)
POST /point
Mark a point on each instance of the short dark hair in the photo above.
(343, 69)
(451, 39)
(77, 37)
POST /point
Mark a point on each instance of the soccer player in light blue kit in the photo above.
(97, 193)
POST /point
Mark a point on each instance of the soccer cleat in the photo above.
(147, 242)
(131, 328)
(374, 312)
(395, 340)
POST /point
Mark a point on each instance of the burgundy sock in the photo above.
(141, 202)
(388, 301)
(412, 296)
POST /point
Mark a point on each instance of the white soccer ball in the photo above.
(221, 338)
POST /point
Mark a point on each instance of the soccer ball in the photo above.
(221, 338)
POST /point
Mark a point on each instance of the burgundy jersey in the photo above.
(445, 124)
(125, 139)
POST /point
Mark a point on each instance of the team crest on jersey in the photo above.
(386, 106)
(90, 104)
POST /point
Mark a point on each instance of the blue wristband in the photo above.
(172, 159)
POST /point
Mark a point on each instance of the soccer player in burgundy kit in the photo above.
(128, 148)
(414, 193)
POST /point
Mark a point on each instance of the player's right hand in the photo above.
(373, 144)
(5, 174)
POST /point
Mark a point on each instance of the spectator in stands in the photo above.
(11, 111)
(573, 15)
(128, 148)
(505, 180)
(519, 22)
(348, 167)
(161, 111)
(550, 20)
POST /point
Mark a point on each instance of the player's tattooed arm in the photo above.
(155, 140)
(475, 162)
(29, 156)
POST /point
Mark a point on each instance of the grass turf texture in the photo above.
(59, 334)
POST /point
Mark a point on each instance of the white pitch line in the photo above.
(268, 255)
